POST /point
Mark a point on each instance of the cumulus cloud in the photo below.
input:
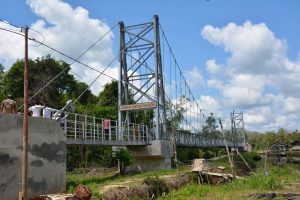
(70, 30)
(291, 105)
(194, 76)
(257, 61)
(246, 42)
(255, 119)
(12, 46)
(209, 104)
(211, 66)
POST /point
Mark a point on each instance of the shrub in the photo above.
(125, 159)
(157, 186)
(250, 157)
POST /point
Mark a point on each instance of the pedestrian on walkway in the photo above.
(37, 109)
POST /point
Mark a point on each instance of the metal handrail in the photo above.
(84, 127)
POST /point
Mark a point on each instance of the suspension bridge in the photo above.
(150, 81)
(146, 64)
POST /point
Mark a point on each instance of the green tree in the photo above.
(40, 72)
(282, 135)
(109, 95)
(175, 113)
(144, 117)
(125, 159)
(78, 89)
(210, 128)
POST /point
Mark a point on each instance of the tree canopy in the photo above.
(40, 72)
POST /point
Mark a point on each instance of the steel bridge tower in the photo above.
(237, 128)
(141, 84)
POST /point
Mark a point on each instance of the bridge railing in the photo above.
(84, 127)
(194, 140)
(187, 139)
(100, 130)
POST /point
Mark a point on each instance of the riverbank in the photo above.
(275, 179)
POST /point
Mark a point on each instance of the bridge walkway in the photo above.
(89, 130)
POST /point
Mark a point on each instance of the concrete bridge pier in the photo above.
(152, 157)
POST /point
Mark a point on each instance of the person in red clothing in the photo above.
(106, 126)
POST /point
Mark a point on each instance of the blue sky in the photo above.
(245, 52)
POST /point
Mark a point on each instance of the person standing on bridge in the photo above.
(36, 110)
(8, 105)
(153, 132)
(106, 127)
(47, 112)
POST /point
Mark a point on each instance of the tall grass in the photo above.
(275, 179)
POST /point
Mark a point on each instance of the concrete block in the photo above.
(46, 156)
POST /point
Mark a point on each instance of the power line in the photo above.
(176, 65)
(11, 31)
(74, 60)
(6, 22)
(102, 72)
(96, 79)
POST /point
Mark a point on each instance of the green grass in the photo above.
(276, 179)
(221, 162)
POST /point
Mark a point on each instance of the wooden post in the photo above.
(23, 194)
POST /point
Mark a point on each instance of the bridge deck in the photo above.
(86, 130)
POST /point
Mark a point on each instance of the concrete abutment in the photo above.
(46, 156)
(156, 156)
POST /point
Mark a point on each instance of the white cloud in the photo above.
(209, 105)
(69, 30)
(242, 96)
(214, 83)
(212, 66)
(255, 119)
(254, 47)
(257, 76)
(244, 90)
(12, 46)
(194, 76)
(291, 105)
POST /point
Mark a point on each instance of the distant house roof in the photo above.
(279, 147)
(295, 143)
(279, 144)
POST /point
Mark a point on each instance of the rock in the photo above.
(82, 192)
(272, 195)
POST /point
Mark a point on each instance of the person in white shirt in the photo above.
(47, 112)
(36, 110)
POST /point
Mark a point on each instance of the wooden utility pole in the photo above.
(23, 195)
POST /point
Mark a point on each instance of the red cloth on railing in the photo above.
(106, 123)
